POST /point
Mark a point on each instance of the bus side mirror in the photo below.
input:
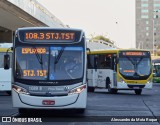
(12, 48)
(88, 50)
(6, 61)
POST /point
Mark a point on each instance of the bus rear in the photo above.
(49, 69)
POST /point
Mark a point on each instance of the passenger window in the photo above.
(104, 61)
(90, 61)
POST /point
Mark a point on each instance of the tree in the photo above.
(100, 37)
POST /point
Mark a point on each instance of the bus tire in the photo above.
(81, 110)
(115, 91)
(112, 91)
(138, 91)
(108, 85)
(109, 88)
(107, 82)
(22, 111)
(91, 89)
(9, 93)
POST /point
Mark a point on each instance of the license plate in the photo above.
(136, 87)
(48, 102)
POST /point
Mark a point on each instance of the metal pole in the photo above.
(153, 37)
(156, 16)
(117, 33)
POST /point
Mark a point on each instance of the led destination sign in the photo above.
(33, 50)
(32, 73)
(134, 53)
(48, 36)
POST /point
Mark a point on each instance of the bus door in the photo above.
(104, 69)
(92, 70)
(114, 67)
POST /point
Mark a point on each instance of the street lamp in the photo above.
(116, 41)
(153, 29)
(140, 45)
(153, 37)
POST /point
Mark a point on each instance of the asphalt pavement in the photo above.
(123, 108)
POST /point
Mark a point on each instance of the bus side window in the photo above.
(90, 61)
(104, 61)
(96, 59)
(109, 62)
(1, 62)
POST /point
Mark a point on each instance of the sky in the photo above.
(114, 19)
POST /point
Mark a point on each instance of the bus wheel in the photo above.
(91, 89)
(108, 84)
(9, 93)
(22, 111)
(112, 91)
(109, 88)
(82, 110)
(138, 91)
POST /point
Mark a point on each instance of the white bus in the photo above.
(119, 70)
(5, 75)
(49, 69)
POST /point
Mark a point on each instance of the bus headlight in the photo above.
(77, 90)
(19, 90)
(150, 80)
(121, 80)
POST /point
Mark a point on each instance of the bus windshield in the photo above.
(135, 64)
(156, 70)
(49, 63)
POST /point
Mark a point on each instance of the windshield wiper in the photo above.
(135, 66)
(136, 63)
(139, 61)
(39, 58)
(58, 56)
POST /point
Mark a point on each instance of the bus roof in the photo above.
(102, 51)
(49, 28)
(100, 45)
(113, 51)
(156, 60)
(143, 50)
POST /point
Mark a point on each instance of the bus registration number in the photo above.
(136, 87)
(48, 102)
(46, 89)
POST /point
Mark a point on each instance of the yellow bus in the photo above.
(119, 69)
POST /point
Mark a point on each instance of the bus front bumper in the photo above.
(60, 102)
(123, 85)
